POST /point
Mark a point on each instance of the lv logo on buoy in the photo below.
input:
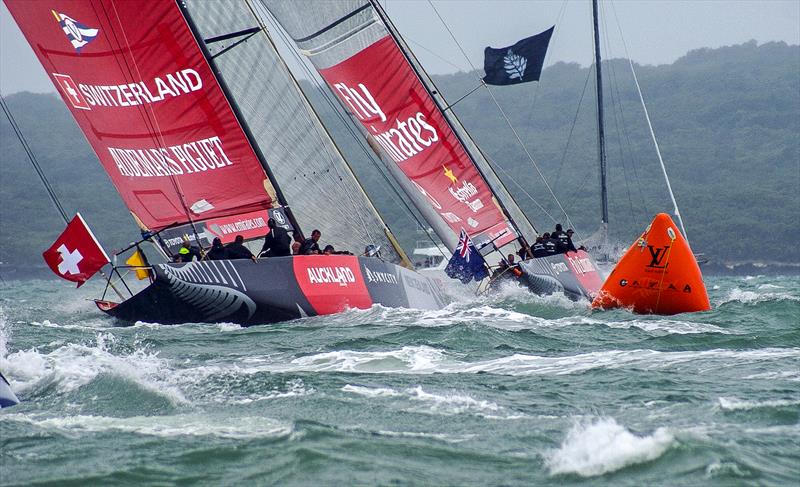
(657, 255)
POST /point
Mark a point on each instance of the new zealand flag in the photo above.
(466, 263)
(518, 63)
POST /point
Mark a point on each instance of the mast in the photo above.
(393, 32)
(601, 142)
(238, 114)
(406, 262)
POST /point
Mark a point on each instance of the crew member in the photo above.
(550, 244)
(311, 245)
(298, 243)
(538, 248)
(237, 250)
(559, 232)
(562, 239)
(276, 243)
(570, 244)
(187, 252)
(217, 251)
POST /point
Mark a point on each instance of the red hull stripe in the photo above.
(331, 284)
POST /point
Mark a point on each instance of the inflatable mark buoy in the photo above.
(657, 275)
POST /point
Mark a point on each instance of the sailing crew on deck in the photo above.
(277, 242)
(217, 251)
(187, 252)
(310, 246)
(570, 244)
(560, 235)
(538, 248)
(550, 244)
(237, 250)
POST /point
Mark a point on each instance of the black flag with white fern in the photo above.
(519, 63)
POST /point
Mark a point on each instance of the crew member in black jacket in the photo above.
(310, 245)
(237, 250)
(277, 243)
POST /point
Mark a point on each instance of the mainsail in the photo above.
(308, 167)
(196, 122)
(139, 87)
(356, 53)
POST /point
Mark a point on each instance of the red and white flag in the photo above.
(76, 255)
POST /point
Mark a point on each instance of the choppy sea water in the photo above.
(511, 389)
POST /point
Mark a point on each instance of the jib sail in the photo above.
(355, 52)
(307, 166)
(145, 97)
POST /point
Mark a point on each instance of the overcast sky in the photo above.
(655, 31)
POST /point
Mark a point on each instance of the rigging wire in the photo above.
(458, 129)
(335, 107)
(650, 126)
(616, 104)
(32, 158)
(45, 182)
(628, 144)
(572, 128)
(547, 54)
(524, 191)
(505, 117)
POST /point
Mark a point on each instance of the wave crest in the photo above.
(603, 446)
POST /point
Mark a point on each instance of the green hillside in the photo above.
(728, 121)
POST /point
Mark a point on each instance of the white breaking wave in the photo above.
(749, 297)
(164, 426)
(371, 391)
(73, 365)
(725, 469)
(229, 327)
(428, 360)
(735, 404)
(667, 326)
(447, 403)
(49, 324)
(420, 359)
(603, 446)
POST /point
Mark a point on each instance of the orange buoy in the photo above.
(658, 274)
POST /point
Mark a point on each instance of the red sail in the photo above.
(137, 83)
(382, 90)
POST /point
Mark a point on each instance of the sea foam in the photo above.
(603, 446)
(163, 426)
(439, 402)
(735, 404)
(72, 365)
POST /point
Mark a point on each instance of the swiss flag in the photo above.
(76, 255)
